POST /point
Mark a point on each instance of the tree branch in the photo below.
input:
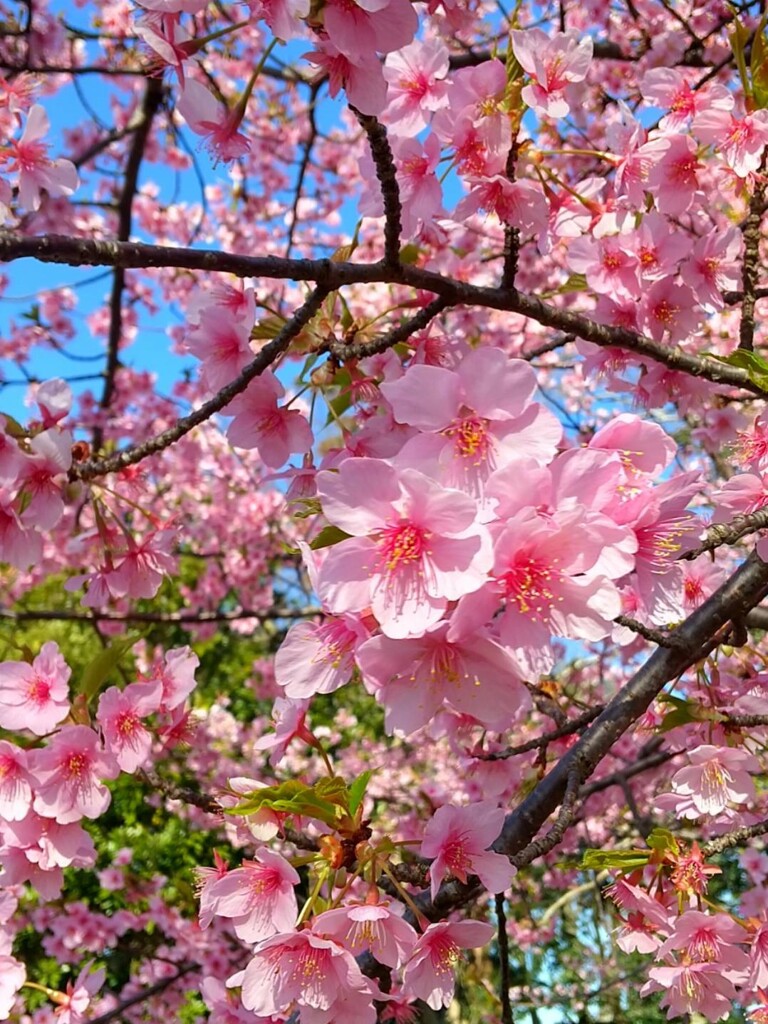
(729, 533)
(130, 456)
(330, 276)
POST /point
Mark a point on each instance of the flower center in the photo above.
(445, 954)
(39, 690)
(75, 766)
(402, 545)
(527, 583)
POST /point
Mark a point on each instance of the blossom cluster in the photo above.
(460, 540)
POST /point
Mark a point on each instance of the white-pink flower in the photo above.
(415, 76)
(12, 977)
(69, 776)
(430, 972)
(458, 839)
(77, 998)
(36, 171)
(35, 696)
(305, 971)
(553, 64)
(414, 545)
(716, 777)
(258, 422)
(259, 896)
(120, 714)
(374, 925)
(15, 788)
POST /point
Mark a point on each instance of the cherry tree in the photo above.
(382, 528)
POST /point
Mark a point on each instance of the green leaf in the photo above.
(334, 790)
(758, 65)
(103, 665)
(623, 860)
(268, 328)
(12, 426)
(294, 798)
(743, 359)
(328, 536)
(344, 252)
(575, 283)
(409, 254)
(661, 840)
(738, 36)
(357, 790)
(311, 507)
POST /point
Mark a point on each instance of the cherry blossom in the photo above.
(458, 839)
(36, 696)
(429, 974)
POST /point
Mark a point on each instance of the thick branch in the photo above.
(750, 264)
(746, 588)
(330, 276)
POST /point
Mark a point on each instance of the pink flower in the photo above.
(693, 988)
(210, 118)
(470, 673)
(544, 574)
(669, 89)
(672, 177)
(177, 674)
(259, 423)
(669, 309)
(476, 418)
(366, 26)
(740, 140)
(35, 696)
(429, 974)
(258, 896)
(712, 267)
(304, 970)
(477, 93)
(69, 774)
(74, 1003)
(458, 838)
(119, 715)
(553, 63)
(142, 567)
(360, 76)
(222, 343)
(607, 265)
(415, 75)
(715, 777)
(15, 788)
(519, 203)
(707, 937)
(289, 717)
(54, 399)
(12, 977)
(284, 17)
(758, 957)
(420, 192)
(414, 545)
(373, 925)
(43, 476)
(36, 171)
(318, 657)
